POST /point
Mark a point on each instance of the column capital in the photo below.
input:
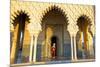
(34, 29)
(73, 29)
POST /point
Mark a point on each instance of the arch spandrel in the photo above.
(85, 11)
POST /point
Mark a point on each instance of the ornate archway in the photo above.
(84, 38)
(19, 38)
(54, 23)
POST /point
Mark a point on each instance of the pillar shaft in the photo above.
(35, 49)
(75, 51)
(31, 49)
(72, 56)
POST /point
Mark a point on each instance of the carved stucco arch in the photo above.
(59, 9)
(53, 7)
(91, 23)
(14, 14)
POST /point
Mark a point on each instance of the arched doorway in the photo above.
(54, 29)
(84, 39)
(19, 37)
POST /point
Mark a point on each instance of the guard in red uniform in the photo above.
(53, 50)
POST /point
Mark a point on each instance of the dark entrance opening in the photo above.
(54, 44)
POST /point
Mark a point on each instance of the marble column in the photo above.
(34, 29)
(75, 51)
(35, 48)
(75, 30)
(72, 54)
(31, 49)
